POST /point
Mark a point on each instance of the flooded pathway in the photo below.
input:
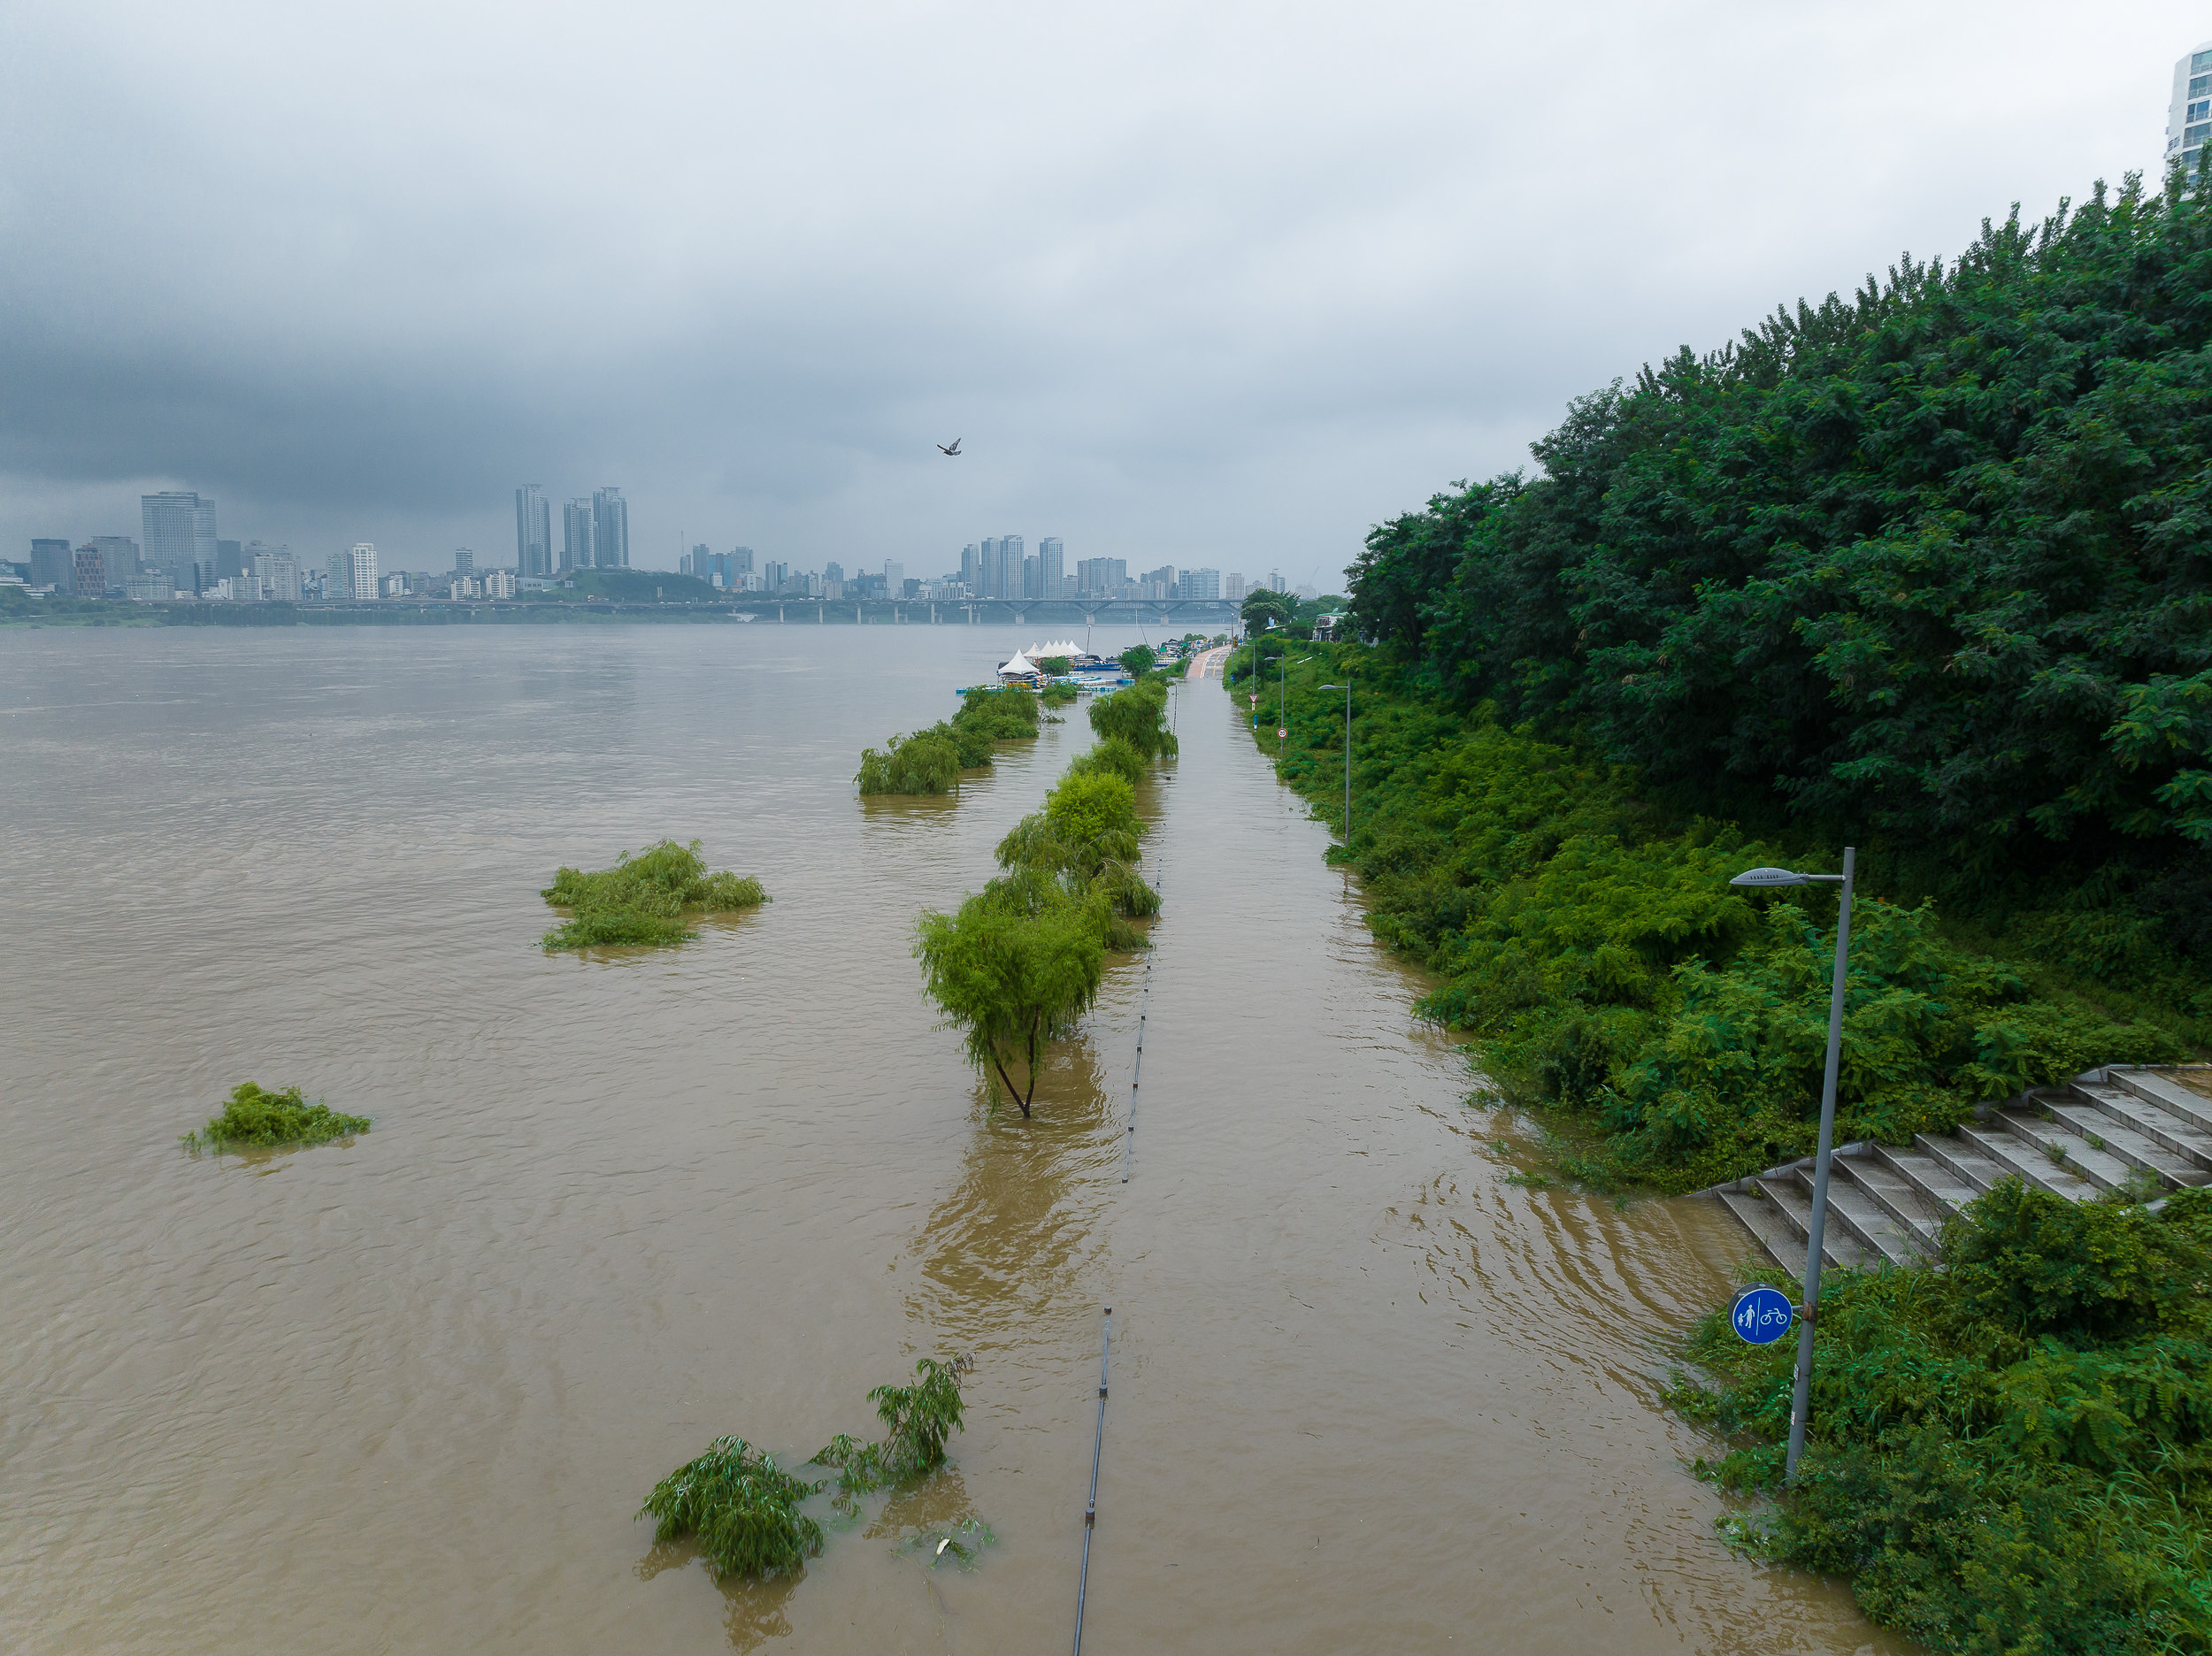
(405, 1395)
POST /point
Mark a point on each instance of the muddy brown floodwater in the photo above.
(405, 1394)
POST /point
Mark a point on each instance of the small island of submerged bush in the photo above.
(929, 761)
(256, 1118)
(644, 899)
(743, 1509)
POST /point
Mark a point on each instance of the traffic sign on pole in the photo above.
(1761, 1315)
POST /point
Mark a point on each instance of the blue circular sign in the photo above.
(1761, 1315)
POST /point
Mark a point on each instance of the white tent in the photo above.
(1020, 667)
(1068, 647)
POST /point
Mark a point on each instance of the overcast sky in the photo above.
(1202, 284)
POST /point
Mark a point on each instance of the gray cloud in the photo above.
(1220, 286)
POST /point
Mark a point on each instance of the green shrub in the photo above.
(2009, 1453)
(254, 1118)
(1137, 716)
(1009, 713)
(644, 899)
(926, 763)
(742, 1507)
(1112, 756)
(917, 1420)
(1059, 695)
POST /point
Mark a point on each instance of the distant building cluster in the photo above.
(179, 557)
(594, 533)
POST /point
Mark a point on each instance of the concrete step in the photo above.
(1852, 1207)
(1963, 1161)
(2139, 1149)
(2002, 1141)
(1938, 1188)
(2152, 1122)
(1793, 1202)
(1784, 1246)
(2194, 1108)
(1919, 1220)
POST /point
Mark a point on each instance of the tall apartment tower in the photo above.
(1012, 553)
(121, 552)
(362, 560)
(179, 530)
(1051, 565)
(576, 535)
(534, 531)
(610, 528)
(972, 570)
(2189, 111)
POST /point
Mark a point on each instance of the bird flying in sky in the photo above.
(953, 450)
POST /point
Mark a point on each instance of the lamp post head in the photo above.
(1331, 686)
(1768, 878)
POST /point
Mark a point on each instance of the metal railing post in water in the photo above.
(1144, 1007)
(1090, 1508)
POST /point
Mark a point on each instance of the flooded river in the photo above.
(405, 1394)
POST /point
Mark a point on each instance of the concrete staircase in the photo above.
(2145, 1131)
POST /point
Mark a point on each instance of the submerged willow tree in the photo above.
(1015, 967)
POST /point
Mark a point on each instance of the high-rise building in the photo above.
(122, 554)
(893, 578)
(278, 570)
(1051, 565)
(610, 528)
(1198, 584)
(1232, 588)
(972, 570)
(1101, 578)
(52, 565)
(742, 560)
(836, 571)
(2189, 111)
(463, 561)
(88, 573)
(534, 531)
(577, 534)
(774, 575)
(1011, 551)
(1159, 583)
(361, 566)
(694, 562)
(178, 527)
(228, 561)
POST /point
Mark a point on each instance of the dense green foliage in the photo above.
(1592, 943)
(741, 1506)
(255, 1118)
(1284, 614)
(917, 1420)
(1931, 566)
(1055, 695)
(644, 899)
(1138, 660)
(930, 761)
(1137, 716)
(2009, 1453)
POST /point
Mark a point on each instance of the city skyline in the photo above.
(1389, 260)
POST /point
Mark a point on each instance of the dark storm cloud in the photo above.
(1217, 286)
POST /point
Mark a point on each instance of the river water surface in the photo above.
(405, 1393)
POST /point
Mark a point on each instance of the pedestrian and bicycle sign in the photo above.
(1762, 1315)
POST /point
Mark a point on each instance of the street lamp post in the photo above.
(1769, 879)
(1347, 766)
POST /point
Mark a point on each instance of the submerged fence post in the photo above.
(1090, 1508)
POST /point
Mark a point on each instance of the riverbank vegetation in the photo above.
(1920, 572)
(929, 761)
(644, 899)
(745, 1512)
(256, 1118)
(2007, 1454)
(1018, 964)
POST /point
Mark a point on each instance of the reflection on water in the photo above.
(406, 1392)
